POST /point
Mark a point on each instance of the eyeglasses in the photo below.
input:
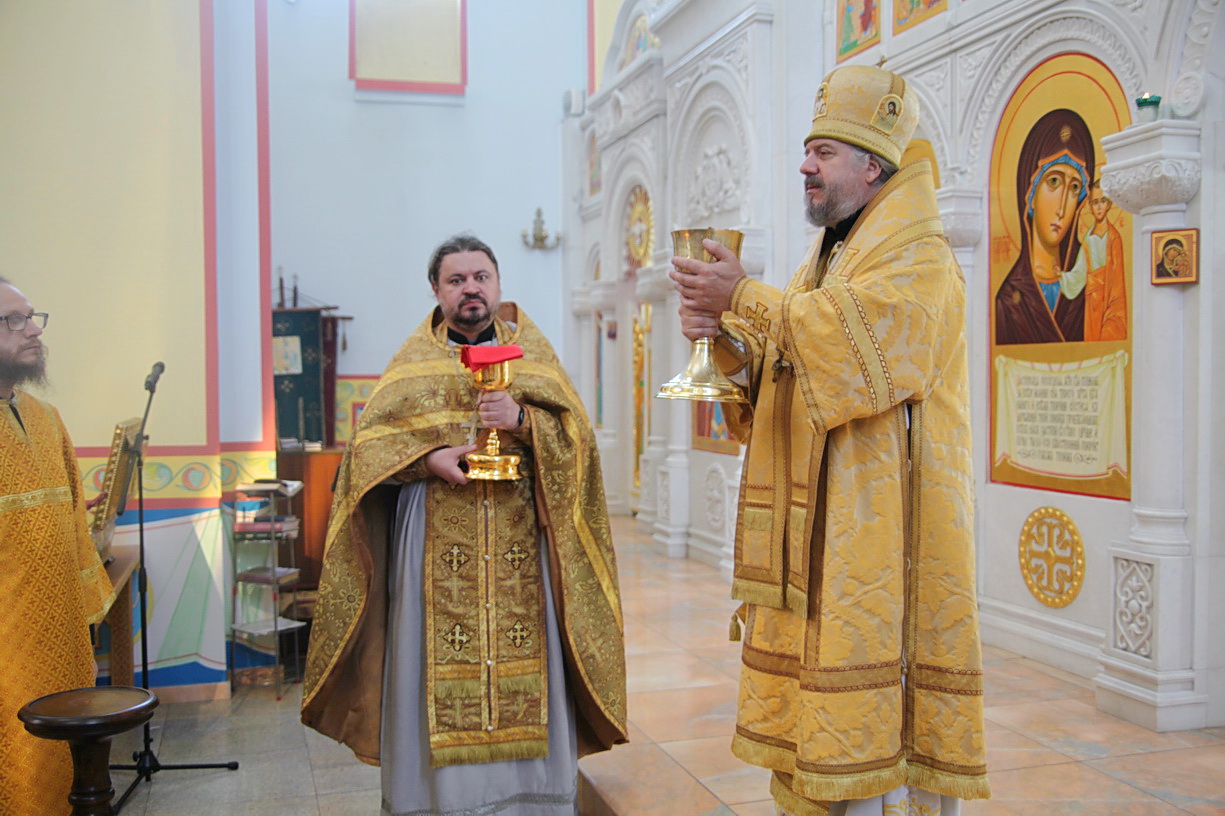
(17, 322)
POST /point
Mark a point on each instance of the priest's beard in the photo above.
(34, 373)
(835, 207)
(475, 320)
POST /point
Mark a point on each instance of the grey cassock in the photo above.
(411, 787)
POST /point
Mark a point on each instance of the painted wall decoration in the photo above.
(352, 394)
(710, 431)
(1052, 555)
(420, 46)
(1175, 257)
(1061, 269)
(640, 40)
(858, 26)
(909, 13)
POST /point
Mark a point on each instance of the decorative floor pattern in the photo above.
(1050, 751)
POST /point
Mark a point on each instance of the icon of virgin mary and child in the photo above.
(1064, 286)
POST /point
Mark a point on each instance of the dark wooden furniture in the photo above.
(119, 614)
(87, 718)
(317, 472)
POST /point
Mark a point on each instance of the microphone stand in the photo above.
(146, 761)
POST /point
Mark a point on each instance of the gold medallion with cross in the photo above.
(518, 634)
(516, 555)
(455, 558)
(457, 638)
(1052, 557)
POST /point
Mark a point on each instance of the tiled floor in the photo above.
(1050, 751)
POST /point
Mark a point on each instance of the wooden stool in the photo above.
(87, 718)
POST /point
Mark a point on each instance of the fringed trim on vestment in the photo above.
(755, 592)
(500, 752)
(835, 788)
(948, 784)
(458, 689)
(523, 683)
(791, 802)
(765, 756)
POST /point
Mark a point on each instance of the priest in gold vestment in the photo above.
(861, 680)
(468, 635)
(51, 580)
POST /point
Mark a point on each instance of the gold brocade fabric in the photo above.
(424, 401)
(53, 587)
(486, 673)
(862, 669)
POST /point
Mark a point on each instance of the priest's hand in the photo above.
(498, 410)
(707, 287)
(696, 325)
(444, 463)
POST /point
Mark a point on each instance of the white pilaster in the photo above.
(1146, 676)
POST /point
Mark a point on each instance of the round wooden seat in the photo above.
(86, 719)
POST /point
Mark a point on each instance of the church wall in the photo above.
(1142, 626)
(364, 184)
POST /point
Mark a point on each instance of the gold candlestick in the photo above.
(702, 380)
(491, 464)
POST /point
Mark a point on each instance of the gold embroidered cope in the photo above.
(862, 669)
(484, 630)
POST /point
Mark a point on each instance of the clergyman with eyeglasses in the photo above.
(51, 581)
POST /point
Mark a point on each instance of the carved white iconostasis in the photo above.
(1098, 548)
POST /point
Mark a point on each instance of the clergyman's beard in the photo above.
(474, 320)
(835, 209)
(34, 373)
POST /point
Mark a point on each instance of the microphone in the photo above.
(151, 380)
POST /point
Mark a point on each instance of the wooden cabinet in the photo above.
(317, 472)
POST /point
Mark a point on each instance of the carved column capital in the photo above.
(1153, 167)
(653, 284)
(961, 211)
(580, 301)
(603, 296)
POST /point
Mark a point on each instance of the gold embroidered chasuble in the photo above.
(854, 552)
(53, 586)
(484, 630)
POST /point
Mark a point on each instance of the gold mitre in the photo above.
(868, 107)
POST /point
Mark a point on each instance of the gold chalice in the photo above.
(702, 379)
(491, 464)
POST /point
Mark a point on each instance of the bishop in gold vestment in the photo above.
(51, 581)
(854, 556)
(507, 566)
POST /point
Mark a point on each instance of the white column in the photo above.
(1147, 675)
(603, 298)
(668, 445)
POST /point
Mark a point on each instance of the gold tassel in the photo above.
(526, 683)
(457, 689)
(734, 631)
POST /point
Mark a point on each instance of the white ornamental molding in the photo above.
(716, 487)
(715, 187)
(961, 211)
(580, 301)
(1088, 33)
(1133, 618)
(665, 503)
(969, 64)
(1136, 185)
(732, 55)
(1157, 164)
(653, 284)
(713, 110)
(1187, 93)
(936, 80)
